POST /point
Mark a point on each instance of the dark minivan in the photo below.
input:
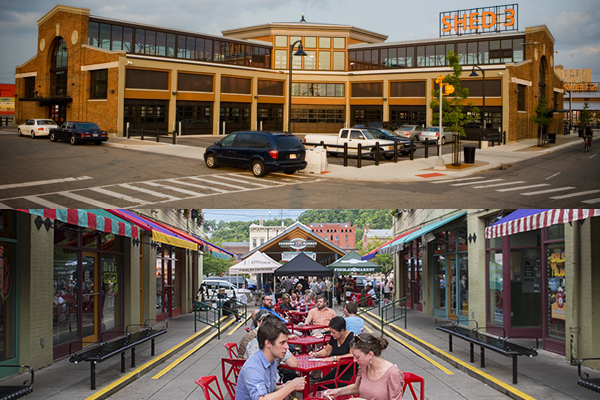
(260, 152)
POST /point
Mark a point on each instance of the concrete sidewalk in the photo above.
(547, 376)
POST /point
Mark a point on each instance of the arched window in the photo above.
(58, 69)
(543, 74)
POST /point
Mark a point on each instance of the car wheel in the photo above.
(388, 156)
(32, 134)
(73, 141)
(376, 156)
(443, 140)
(211, 161)
(52, 137)
(258, 168)
(19, 132)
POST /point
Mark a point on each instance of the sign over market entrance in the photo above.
(473, 21)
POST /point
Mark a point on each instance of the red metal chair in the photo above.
(344, 365)
(230, 370)
(232, 349)
(204, 382)
(409, 379)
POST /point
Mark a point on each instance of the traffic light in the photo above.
(439, 80)
(449, 89)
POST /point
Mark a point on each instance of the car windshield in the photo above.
(377, 133)
(368, 135)
(86, 126)
(46, 122)
(288, 142)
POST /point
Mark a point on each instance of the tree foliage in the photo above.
(452, 105)
(586, 115)
(237, 231)
(543, 114)
(213, 266)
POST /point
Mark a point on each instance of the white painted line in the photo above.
(244, 179)
(593, 201)
(498, 184)
(87, 200)
(566, 196)
(4, 206)
(150, 192)
(548, 191)
(173, 188)
(522, 187)
(42, 202)
(214, 181)
(197, 186)
(593, 156)
(552, 176)
(47, 182)
(458, 180)
(475, 183)
(118, 195)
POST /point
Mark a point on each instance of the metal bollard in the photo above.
(345, 154)
(359, 161)
(377, 154)
(395, 152)
(142, 133)
(426, 147)
(412, 149)
(157, 138)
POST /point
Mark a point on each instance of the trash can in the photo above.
(552, 138)
(469, 154)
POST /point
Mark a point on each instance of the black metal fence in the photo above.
(6, 121)
(152, 134)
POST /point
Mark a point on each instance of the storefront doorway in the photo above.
(168, 293)
(413, 264)
(90, 297)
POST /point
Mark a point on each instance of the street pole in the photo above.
(300, 52)
(439, 164)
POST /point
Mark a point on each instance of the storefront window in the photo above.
(65, 327)
(495, 300)
(8, 246)
(525, 289)
(555, 271)
(111, 293)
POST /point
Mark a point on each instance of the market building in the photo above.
(520, 272)
(127, 74)
(71, 276)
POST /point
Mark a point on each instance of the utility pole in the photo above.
(439, 164)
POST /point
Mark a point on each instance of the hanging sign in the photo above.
(472, 21)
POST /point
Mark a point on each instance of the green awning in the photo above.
(351, 263)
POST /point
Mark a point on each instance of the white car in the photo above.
(433, 134)
(36, 127)
(215, 286)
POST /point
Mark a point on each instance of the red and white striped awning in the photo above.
(529, 220)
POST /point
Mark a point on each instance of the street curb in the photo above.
(470, 370)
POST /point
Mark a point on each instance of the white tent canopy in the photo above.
(257, 263)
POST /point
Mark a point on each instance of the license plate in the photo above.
(95, 135)
(293, 156)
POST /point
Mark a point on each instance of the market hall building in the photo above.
(119, 73)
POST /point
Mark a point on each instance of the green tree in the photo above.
(214, 266)
(542, 116)
(385, 260)
(452, 105)
(586, 116)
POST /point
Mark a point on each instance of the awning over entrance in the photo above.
(97, 219)
(303, 265)
(398, 245)
(257, 263)
(352, 263)
(529, 219)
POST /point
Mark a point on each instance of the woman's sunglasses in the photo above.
(358, 339)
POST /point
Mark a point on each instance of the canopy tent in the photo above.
(257, 263)
(399, 244)
(303, 265)
(530, 219)
(352, 263)
(97, 219)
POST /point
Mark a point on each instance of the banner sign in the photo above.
(582, 86)
(473, 21)
(298, 244)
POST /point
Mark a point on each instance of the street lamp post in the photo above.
(301, 53)
(473, 73)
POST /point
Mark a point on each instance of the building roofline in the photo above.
(61, 8)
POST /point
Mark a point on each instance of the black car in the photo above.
(382, 133)
(260, 152)
(77, 132)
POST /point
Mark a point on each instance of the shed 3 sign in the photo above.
(479, 20)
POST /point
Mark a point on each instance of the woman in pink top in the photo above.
(377, 378)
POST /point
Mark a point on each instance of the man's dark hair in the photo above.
(352, 307)
(270, 329)
(322, 296)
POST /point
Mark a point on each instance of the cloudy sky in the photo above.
(575, 24)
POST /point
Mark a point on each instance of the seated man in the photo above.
(258, 377)
(267, 304)
(354, 323)
(320, 315)
(257, 315)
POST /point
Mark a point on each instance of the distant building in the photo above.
(342, 234)
(237, 248)
(381, 235)
(578, 75)
(7, 103)
(260, 234)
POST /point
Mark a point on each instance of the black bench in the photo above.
(585, 381)
(103, 350)
(486, 341)
(16, 392)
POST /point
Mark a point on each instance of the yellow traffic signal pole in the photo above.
(439, 164)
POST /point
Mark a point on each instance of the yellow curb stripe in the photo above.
(238, 326)
(190, 352)
(465, 364)
(414, 350)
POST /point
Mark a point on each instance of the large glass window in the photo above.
(281, 59)
(556, 307)
(99, 84)
(495, 292)
(324, 60)
(58, 69)
(339, 61)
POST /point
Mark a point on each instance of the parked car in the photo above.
(238, 281)
(36, 127)
(385, 124)
(433, 134)
(353, 136)
(409, 131)
(382, 133)
(260, 152)
(214, 285)
(77, 132)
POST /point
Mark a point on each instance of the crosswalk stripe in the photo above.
(46, 182)
(150, 192)
(175, 189)
(458, 180)
(197, 186)
(118, 195)
(593, 201)
(497, 184)
(43, 202)
(4, 206)
(245, 180)
(566, 196)
(522, 187)
(474, 183)
(214, 181)
(87, 200)
(548, 191)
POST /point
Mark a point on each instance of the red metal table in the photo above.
(297, 316)
(307, 328)
(306, 341)
(306, 366)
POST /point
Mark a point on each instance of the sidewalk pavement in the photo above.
(547, 376)
(404, 171)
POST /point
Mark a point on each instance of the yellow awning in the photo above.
(173, 241)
